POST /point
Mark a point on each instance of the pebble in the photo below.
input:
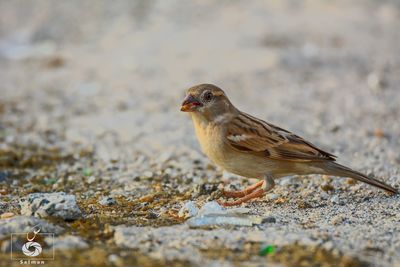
(326, 186)
(148, 174)
(272, 196)
(269, 219)
(91, 179)
(189, 209)
(211, 208)
(212, 214)
(107, 201)
(335, 200)
(42, 205)
(115, 260)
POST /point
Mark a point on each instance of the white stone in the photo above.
(44, 205)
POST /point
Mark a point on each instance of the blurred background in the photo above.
(109, 77)
(300, 61)
(304, 64)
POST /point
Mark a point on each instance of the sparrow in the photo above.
(247, 146)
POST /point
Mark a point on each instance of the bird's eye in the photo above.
(208, 96)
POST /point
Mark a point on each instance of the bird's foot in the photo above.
(244, 192)
(250, 192)
(255, 194)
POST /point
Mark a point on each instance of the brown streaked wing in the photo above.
(251, 135)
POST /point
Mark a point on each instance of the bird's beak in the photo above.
(190, 104)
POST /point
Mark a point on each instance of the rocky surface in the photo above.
(58, 205)
(67, 242)
(91, 109)
(22, 224)
(107, 201)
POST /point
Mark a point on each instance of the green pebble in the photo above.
(50, 181)
(269, 249)
(87, 172)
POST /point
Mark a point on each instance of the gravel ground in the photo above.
(89, 106)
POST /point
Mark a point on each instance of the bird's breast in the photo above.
(211, 141)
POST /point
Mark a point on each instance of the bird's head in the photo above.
(207, 100)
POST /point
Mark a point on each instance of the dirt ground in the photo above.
(90, 94)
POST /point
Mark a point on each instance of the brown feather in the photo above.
(252, 135)
(336, 169)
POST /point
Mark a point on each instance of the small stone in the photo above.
(266, 250)
(6, 215)
(212, 214)
(269, 219)
(148, 174)
(152, 216)
(335, 200)
(203, 189)
(91, 179)
(87, 172)
(188, 210)
(44, 205)
(324, 195)
(327, 187)
(50, 181)
(115, 260)
(272, 197)
(107, 201)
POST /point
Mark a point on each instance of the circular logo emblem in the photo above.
(26, 249)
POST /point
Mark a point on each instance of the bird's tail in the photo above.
(333, 168)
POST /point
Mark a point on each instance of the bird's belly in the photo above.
(246, 165)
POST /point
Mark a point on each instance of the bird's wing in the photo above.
(251, 135)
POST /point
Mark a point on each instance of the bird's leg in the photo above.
(244, 192)
(267, 185)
